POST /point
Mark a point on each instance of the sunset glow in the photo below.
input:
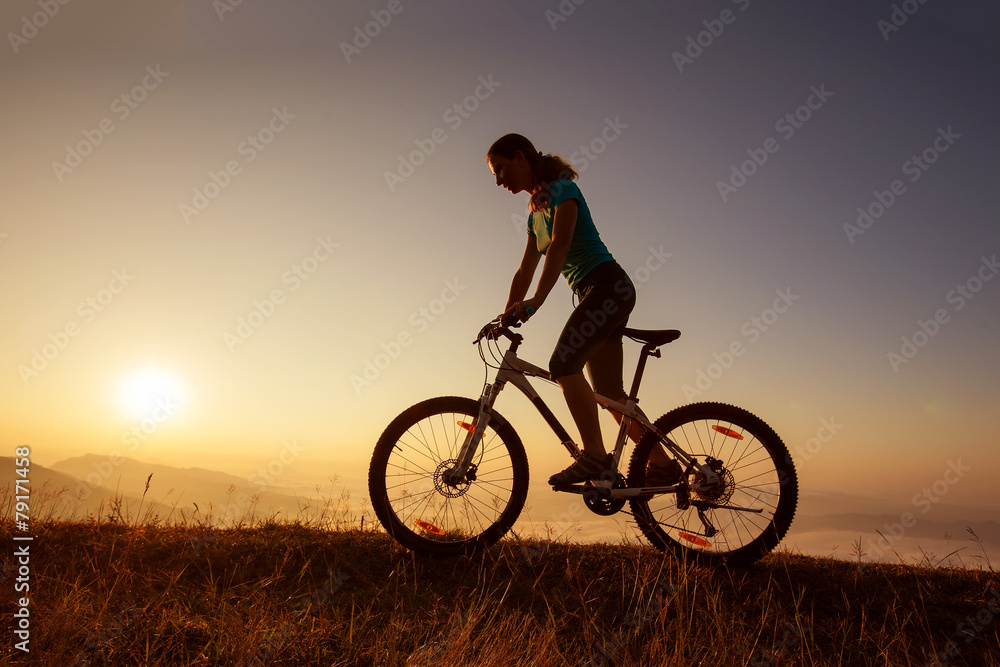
(244, 236)
(150, 391)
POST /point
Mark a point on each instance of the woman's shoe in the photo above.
(584, 468)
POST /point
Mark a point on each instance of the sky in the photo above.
(229, 226)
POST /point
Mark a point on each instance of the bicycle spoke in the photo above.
(749, 502)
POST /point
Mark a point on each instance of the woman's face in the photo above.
(512, 174)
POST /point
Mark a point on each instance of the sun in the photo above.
(151, 391)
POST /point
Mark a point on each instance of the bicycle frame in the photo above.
(517, 371)
(708, 479)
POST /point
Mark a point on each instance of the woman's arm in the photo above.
(525, 272)
(555, 256)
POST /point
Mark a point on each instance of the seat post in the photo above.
(647, 350)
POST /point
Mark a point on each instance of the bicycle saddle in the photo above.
(653, 336)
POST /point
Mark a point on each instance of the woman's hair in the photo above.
(547, 168)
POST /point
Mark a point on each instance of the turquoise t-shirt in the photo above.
(586, 250)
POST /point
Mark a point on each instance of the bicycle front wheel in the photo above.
(741, 517)
(419, 506)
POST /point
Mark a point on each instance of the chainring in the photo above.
(599, 501)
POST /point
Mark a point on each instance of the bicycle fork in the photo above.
(460, 472)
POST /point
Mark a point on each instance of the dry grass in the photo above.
(322, 590)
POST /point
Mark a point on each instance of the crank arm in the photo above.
(644, 491)
(571, 488)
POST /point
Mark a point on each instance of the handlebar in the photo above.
(501, 325)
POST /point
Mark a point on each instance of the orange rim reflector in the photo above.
(429, 527)
(694, 539)
(728, 431)
(470, 428)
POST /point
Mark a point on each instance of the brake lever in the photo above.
(485, 330)
(505, 321)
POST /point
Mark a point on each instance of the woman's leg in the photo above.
(602, 312)
(583, 406)
(606, 373)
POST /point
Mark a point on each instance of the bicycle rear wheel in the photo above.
(741, 518)
(411, 497)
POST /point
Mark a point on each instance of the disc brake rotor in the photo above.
(722, 490)
(449, 489)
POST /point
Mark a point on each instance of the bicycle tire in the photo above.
(410, 498)
(758, 473)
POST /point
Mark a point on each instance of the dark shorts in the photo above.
(592, 336)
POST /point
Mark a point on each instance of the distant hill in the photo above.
(55, 494)
(886, 537)
(80, 486)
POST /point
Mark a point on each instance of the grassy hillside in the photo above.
(110, 593)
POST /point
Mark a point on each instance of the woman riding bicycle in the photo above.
(449, 475)
(562, 229)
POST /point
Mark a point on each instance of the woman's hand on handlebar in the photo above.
(523, 310)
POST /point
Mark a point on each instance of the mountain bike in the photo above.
(449, 476)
